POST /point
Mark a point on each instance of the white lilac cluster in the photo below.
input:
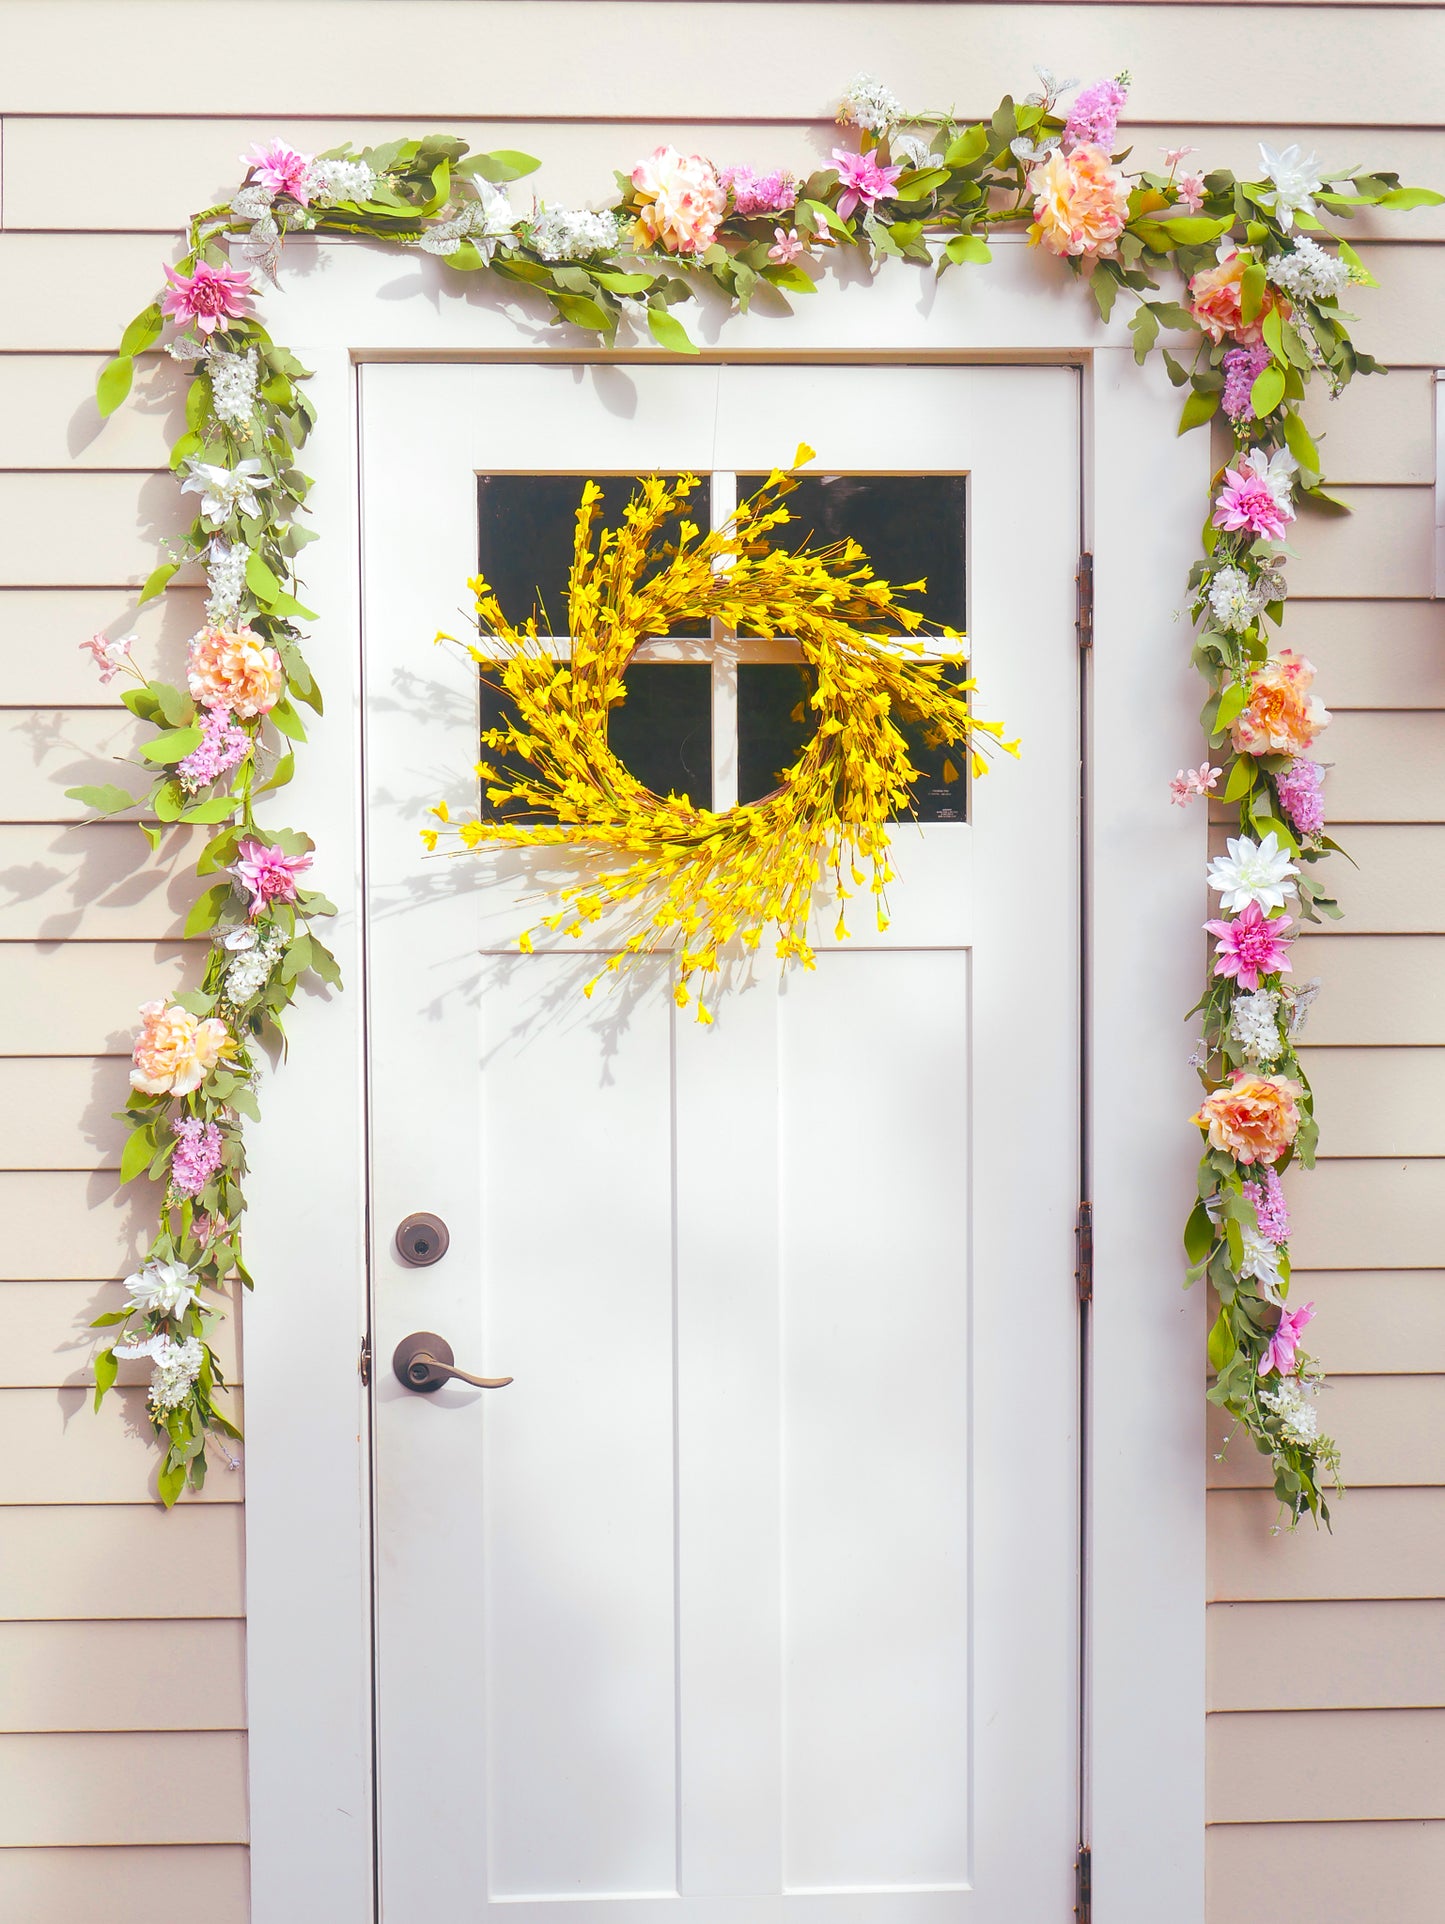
(1234, 600)
(234, 379)
(870, 105)
(573, 234)
(1299, 1420)
(225, 581)
(1255, 1024)
(177, 1365)
(330, 181)
(483, 221)
(251, 962)
(1308, 273)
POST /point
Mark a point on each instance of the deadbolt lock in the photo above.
(422, 1240)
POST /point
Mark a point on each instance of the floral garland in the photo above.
(1262, 313)
(695, 880)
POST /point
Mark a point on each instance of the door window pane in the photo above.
(525, 525)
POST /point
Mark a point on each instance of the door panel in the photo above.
(755, 1592)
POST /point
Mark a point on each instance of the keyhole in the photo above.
(422, 1240)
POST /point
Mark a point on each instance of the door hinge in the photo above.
(363, 1362)
(1084, 621)
(1084, 1252)
(1083, 1892)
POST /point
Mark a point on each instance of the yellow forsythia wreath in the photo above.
(689, 879)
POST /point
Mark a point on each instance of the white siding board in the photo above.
(1380, 1322)
(1372, 654)
(1327, 1656)
(132, 1884)
(55, 1449)
(1377, 989)
(43, 662)
(1370, 1764)
(64, 1111)
(88, 530)
(1379, 1102)
(1368, 1215)
(170, 1674)
(123, 1788)
(1335, 1873)
(1381, 1543)
(82, 998)
(68, 884)
(121, 1560)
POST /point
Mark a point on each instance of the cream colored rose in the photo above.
(233, 668)
(1080, 203)
(175, 1050)
(1281, 716)
(1253, 1118)
(683, 201)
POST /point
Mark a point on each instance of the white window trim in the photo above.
(307, 1511)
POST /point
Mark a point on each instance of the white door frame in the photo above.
(308, 1531)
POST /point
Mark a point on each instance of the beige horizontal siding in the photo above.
(1336, 1873)
(1372, 654)
(42, 660)
(172, 1674)
(88, 530)
(1385, 766)
(44, 751)
(1368, 1214)
(1371, 1764)
(123, 1787)
(602, 54)
(135, 1884)
(1378, 989)
(81, 998)
(1390, 1428)
(1327, 1656)
(63, 1225)
(67, 884)
(1379, 1102)
(64, 1118)
(1382, 1543)
(127, 1559)
(1396, 885)
(1374, 1322)
(55, 1449)
(49, 1341)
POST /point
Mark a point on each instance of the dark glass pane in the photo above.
(525, 526)
(662, 731)
(910, 526)
(774, 721)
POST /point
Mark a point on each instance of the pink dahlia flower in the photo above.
(1255, 496)
(281, 170)
(862, 180)
(1279, 1351)
(1094, 118)
(211, 296)
(269, 873)
(1252, 945)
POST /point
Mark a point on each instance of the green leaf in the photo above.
(206, 910)
(968, 247)
(1193, 230)
(140, 1146)
(582, 311)
(503, 165)
(793, 278)
(144, 331)
(219, 808)
(1198, 1234)
(1222, 1345)
(971, 145)
(281, 774)
(107, 799)
(172, 745)
(288, 721)
(1252, 284)
(106, 1371)
(1241, 780)
(1198, 408)
(168, 802)
(919, 186)
(1231, 704)
(1267, 392)
(1353, 261)
(297, 958)
(113, 383)
(1144, 326)
(141, 701)
(324, 964)
(1301, 443)
(1404, 198)
(170, 1481)
(156, 581)
(617, 283)
(669, 333)
(1271, 327)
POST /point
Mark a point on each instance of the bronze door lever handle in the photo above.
(424, 1361)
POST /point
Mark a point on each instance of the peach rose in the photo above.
(233, 668)
(1281, 716)
(175, 1050)
(1253, 1118)
(683, 201)
(1080, 203)
(1214, 296)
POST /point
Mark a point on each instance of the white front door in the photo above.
(755, 1594)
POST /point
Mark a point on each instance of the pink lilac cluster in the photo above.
(1242, 366)
(1279, 1351)
(1252, 945)
(862, 180)
(269, 874)
(1270, 1208)
(197, 1155)
(1094, 117)
(773, 193)
(212, 297)
(224, 745)
(1300, 796)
